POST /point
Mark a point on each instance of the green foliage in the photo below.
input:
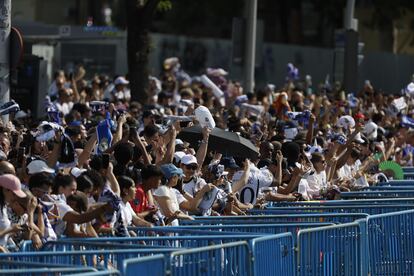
(164, 5)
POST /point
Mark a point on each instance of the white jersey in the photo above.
(258, 178)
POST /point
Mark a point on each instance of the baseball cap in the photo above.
(371, 130)
(217, 170)
(178, 156)
(13, 184)
(169, 170)
(229, 163)
(188, 159)
(76, 172)
(38, 166)
(121, 80)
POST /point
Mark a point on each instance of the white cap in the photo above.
(359, 139)
(178, 156)
(20, 114)
(179, 142)
(188, 159)
(371, 130)
(410, 88)
(121, 80)
(38, 166)
(346, 122)
(76, 172)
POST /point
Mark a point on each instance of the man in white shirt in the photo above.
(317, 179)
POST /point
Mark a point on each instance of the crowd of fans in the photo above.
(99, 163)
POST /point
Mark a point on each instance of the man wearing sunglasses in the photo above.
(192, 183)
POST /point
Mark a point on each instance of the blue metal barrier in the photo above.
(47, 271)
(258, 228)
(91, 258)
(396, 183)
(151, 265)
(281, 218)
(368, 201)
(274, 255)
(388, 188)
(112, 272)
(378, 194)
(333, 250)
(408, 169)
(147, 242)
(391, 243)
(366, 209)
(226, 259)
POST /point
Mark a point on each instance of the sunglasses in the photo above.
(192, 167)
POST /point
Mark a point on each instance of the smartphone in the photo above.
(20, 155)
(105, 160)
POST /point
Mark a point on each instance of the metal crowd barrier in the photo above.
(365, 209)
(151, 265)
(279, 218)
(391, 243)
(368, 201)
(226, 259)
(274, 255)
(378, 194)
(333, 250)
(396, 183)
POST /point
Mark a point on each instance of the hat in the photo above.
(371, 130)
(38, 166)
(169, 170)
(359, 116)
(178, 156)
(76, 172)
(121, 80)
(346, 122)
(13, 184)
(359, 139)
(229, 163)
(217, 170)
(188, 159)
(264, 163)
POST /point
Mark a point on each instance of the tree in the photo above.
(140, 14)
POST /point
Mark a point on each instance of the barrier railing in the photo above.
(273, 255)
(361, 202)
(333, 250)
(391, 243)
(151, 265)
(378, 194)
(91, 258)
(366, 209)
(281, 218)
(226, 259)
(396, 183)
(47, 271)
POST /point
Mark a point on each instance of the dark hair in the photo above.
(80, 199)
(316, 157)
(150, 171)
(62, 180)
(97, 180)
(150, 130)
(125, 182)
(123, 153)
(355, 153)
(84, 182)
(96, 162)
(39, 179)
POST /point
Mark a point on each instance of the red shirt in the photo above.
(140, 203)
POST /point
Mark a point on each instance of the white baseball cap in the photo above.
(121, 80)
(178, 156)
(371, 130)
(76, 172)
(188, 159)
(38, 166)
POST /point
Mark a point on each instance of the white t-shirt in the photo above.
(303, 189)
(60, 209)
(4, 224)
(193, 186)
(126, 210)
(175, 197)
(65, 108)
(258, 178)
(316, 182)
